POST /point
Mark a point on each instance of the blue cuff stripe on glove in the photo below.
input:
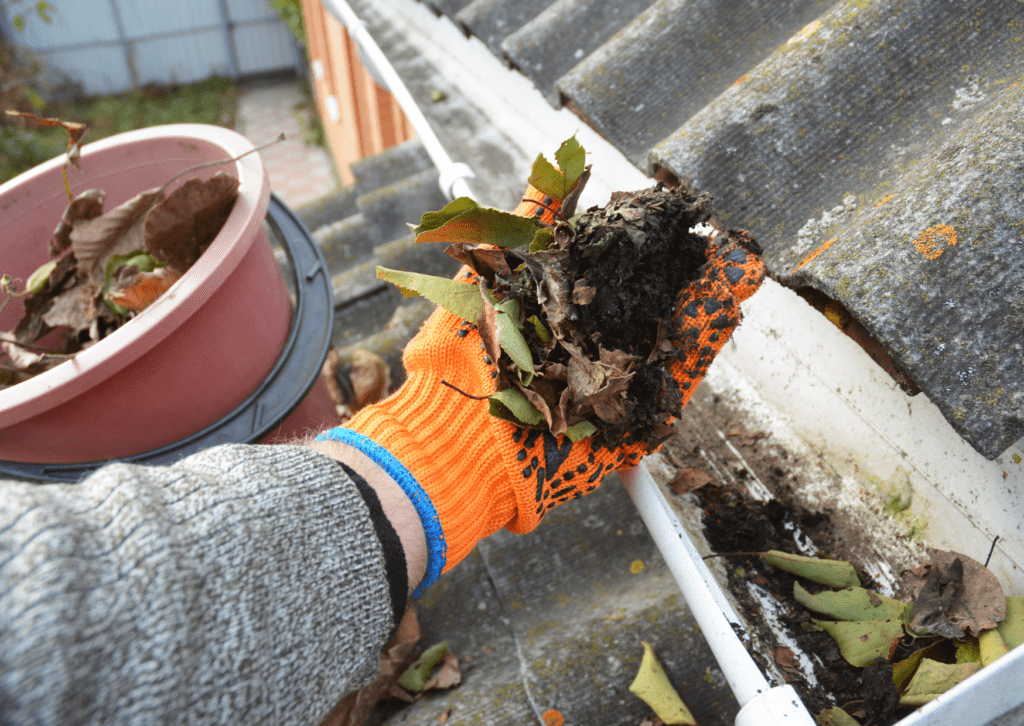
(436, 546)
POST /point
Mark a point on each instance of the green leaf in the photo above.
(932, 679)
(834, 573)
(968, 651)
(434, 220)
(862, 642)
(40, 278)
(572, 160)
(1012, 628)
(991, 646)
(904, 670)
(835, 716)
(512, 341)
(511, 402)
(415, 677)
(491, 226)
(580, 431)
(547, 179)
(542, 240)
(538, 326)
(652, 686)
(459, 298)
(854, 603)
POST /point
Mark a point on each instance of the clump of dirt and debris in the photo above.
(580, 315)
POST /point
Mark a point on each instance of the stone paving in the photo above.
(299, 172)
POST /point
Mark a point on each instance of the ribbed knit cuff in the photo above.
(436, 545)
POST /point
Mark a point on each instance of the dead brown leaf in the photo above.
(87, 205)
(583, 294)
(179, 228)
(445, 715)
(137, 290)
(446, 676)
(688, 479)
(117, 232)
(786, 659)
(959, 595)
(74, 129)
(486, 261)
(74, 308)
(355, 708)
(370, 377)
(600, 385)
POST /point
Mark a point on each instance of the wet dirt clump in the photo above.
(607, 288)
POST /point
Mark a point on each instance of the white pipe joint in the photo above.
(452, 174)
(779, 706)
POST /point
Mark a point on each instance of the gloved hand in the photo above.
(468, 473)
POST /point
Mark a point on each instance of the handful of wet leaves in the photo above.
(577, 315)
(108, 267)
(958, 622)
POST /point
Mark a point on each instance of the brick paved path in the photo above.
(298, 172)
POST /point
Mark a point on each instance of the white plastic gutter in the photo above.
(760, 704)
(453, 174)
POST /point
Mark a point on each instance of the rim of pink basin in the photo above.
(141, 334)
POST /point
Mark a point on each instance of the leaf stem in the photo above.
(28, 346)
(67, 187)
(542, 204)
(459, 390)
(279, 138)
(734, 554)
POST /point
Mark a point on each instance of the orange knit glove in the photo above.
(468, 473)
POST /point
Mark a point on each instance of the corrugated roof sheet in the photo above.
(874, 147)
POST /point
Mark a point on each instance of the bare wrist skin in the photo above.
(397, 507)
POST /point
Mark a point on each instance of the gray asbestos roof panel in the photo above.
(876, 133)
(494, 20)
(892, 134)
(555, 41)
(674, 59)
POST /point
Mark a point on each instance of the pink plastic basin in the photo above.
(187, 360)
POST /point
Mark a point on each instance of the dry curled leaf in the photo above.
(688, 479)
(179, 228)
(959, 595)
(138, 290)
(117, 232)
(87, 205)
(74, 129)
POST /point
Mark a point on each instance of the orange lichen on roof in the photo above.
(553, 718)
(816, 252)
(740, 80)
(804, 32)
(933, 241)
(884, 199)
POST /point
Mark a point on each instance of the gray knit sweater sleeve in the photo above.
(243, 585)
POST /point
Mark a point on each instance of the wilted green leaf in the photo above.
(571, 159)
(511, 339)
(652, 686)
(932, 679)
(542, 240)
(483, 224)
(433, 220)
(862, 642)
(459, 298)
(39, 279)
(512, 405)
(1012, 628)
(904, 670)
(538, 326)
(835, 716)
(834, 573)
(968, 651)
(415, 677)
(992, 647)
(580, 431)
(854, 603)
